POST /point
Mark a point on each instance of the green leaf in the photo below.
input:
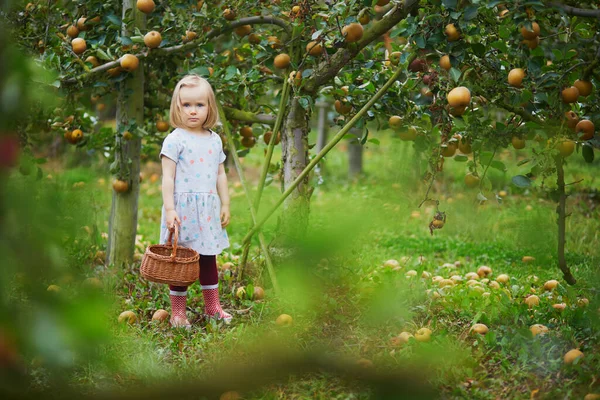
(230, 72)
(486, 156)
(494, 3)
(461, 158)
(526, 95)
(420, 41)
(368, 86)
(459, 124)
(588, 153)
(532, 125)
(304, 102)
(125, 40)
(504, 32)
(500, 45)
(455, 74)
(450, 4)
(202, 71)
(119, 78)
(114, 19)
(374, 141)
(470, 12)
(499, 165)
(364, 138)
(114, 167)
(102, 55)
(537, 52)
(521, 181)
(534, 66)
(478, 49)
(558, 55)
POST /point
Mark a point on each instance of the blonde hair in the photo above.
(191, 81)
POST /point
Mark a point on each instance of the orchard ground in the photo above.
(346, 304)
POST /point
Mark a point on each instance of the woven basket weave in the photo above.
(166, 263)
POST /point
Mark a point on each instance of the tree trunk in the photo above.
(355, 152)
(130, 109)
(294, 146)
(561, 210)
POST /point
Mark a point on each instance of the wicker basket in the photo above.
(166, 263)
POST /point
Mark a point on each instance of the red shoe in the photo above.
(222, 316)
(179, 322)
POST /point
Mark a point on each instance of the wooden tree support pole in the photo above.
(285, 91)
(561, 210)
(240, 172)
(323, 152)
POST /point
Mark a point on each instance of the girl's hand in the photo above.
(172, 217)
(225, 215)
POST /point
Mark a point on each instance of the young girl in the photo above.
(194, 190)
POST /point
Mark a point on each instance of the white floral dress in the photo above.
(196, 198)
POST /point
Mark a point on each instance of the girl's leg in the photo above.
(209, 280)
(178, 296)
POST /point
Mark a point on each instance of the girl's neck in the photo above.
(199, 132)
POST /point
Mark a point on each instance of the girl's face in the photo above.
(194, 107)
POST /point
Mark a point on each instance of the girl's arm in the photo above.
(168, 189)
(223, 190)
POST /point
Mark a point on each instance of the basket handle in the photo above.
(175, 231)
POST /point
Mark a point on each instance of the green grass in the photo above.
(350, 306)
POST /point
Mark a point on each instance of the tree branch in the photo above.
(579, 12)
(256, 20)
(247, 116)
(520, 112)
(187, 46)
(326, 70)
(228, 28)
(590, 68)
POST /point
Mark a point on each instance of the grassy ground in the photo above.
(348, 306)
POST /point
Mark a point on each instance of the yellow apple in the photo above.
(480, 329)
(538, 329)
(572, 355)
(423, 335)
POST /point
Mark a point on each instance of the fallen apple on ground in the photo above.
(284, 320)
(127, 316)
(572, 355)
(423, 335)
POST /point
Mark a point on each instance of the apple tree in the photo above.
(491, 75)
(136, 51)
(461, 79)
